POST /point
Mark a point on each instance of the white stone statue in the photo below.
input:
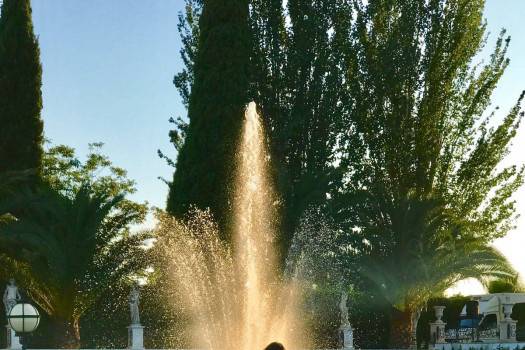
(134, 299)
(344, 309)
(11, 296)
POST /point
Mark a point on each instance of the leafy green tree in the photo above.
(73, 252)
(215, 108)
(507, 285)
(295, 76)
(65, 172)
(298, 72)
(21, 134)
(65, 177)
(438, 256)
(422, 155)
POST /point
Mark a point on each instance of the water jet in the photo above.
(235, 292)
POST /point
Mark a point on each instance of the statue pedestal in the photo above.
(437, 332)
(13, 342)
(346, 337)
(507, 331)
(136, 337)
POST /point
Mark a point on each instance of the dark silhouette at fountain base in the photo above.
(274, 346)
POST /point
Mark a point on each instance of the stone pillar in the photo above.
(13, 342)
(136, 337)
(507, 327)
(346, 337)
(437, 328)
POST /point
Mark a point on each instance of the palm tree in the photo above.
(71, 249)
(429, 251)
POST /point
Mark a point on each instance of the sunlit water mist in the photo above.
(236, 296)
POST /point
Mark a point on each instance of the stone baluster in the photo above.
(507, 327)
(437, 328)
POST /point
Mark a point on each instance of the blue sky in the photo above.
(107, 76)
(108, 67)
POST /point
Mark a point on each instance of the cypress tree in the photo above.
(215, 110)
(21, 128)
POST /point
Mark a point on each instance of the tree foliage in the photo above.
(71, 242)
(215, 109)
(506, 285)
(65, 172)
(421, 154)
(295, 76)
(21, 132)
(298, 75)
(72, 250)
(380, 112)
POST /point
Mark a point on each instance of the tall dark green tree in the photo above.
(219, 94)
(21, 128)
(296, 72)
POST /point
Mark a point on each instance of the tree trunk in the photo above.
(66, 333)
(403, 328)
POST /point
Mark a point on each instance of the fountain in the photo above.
(235, 294)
